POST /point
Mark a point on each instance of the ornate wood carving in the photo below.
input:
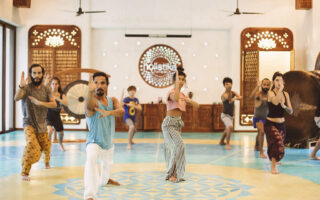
(266, 39)
(254, 40)
(22, 3)
(206, 119)
(303, 4)
(58, 49)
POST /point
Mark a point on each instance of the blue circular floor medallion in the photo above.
(151, 185)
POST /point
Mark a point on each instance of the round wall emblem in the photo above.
(158, 64)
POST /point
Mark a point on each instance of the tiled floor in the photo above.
(212, 172)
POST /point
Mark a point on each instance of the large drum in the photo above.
(304, 90)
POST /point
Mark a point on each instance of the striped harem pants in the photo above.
(174, 148)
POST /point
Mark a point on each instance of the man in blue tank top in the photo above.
(100, 115)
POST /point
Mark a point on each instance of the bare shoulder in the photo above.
(114, 99)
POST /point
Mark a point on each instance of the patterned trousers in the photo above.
(275, 134)
(35, 144)
(174, 148)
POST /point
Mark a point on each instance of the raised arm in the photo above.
(175, 96)
(193, 103)
(64, 100)
(275, 99)
(255, 91)
(236, 97)
(288, 108)
(91, 102)
(21, 89)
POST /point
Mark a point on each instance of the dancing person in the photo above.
(275, 130)
(131, 106)
(174, 148)
(260, 96)
(100, 115)
(36, 99)
(228, 98)
(54, 122)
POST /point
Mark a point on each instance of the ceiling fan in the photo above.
(237, 12)
(81, 12)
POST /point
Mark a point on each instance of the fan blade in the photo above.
(231, 15)
(251, 13)
(98, 11)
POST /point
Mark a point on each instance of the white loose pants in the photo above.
(91, 171)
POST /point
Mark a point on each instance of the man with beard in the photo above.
(100, 114)
(260, 96)
(36, 99)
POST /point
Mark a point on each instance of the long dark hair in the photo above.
(59, 88)
(180, 73)
(275, 75)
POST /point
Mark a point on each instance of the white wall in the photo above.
(205, 66)
(312, 36)
(45, 12)
(272, 61)
(202, 18)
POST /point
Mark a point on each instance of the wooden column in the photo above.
(303, 4)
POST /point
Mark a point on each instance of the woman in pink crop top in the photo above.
(174, 148)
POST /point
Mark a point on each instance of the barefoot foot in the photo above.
(228, 147)
(263, 156)
(314, 157)
(48, 166)
(222, 143)
(113, 182)
(173, 179)
(25, 178)
(129, 147)
(62, 147)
